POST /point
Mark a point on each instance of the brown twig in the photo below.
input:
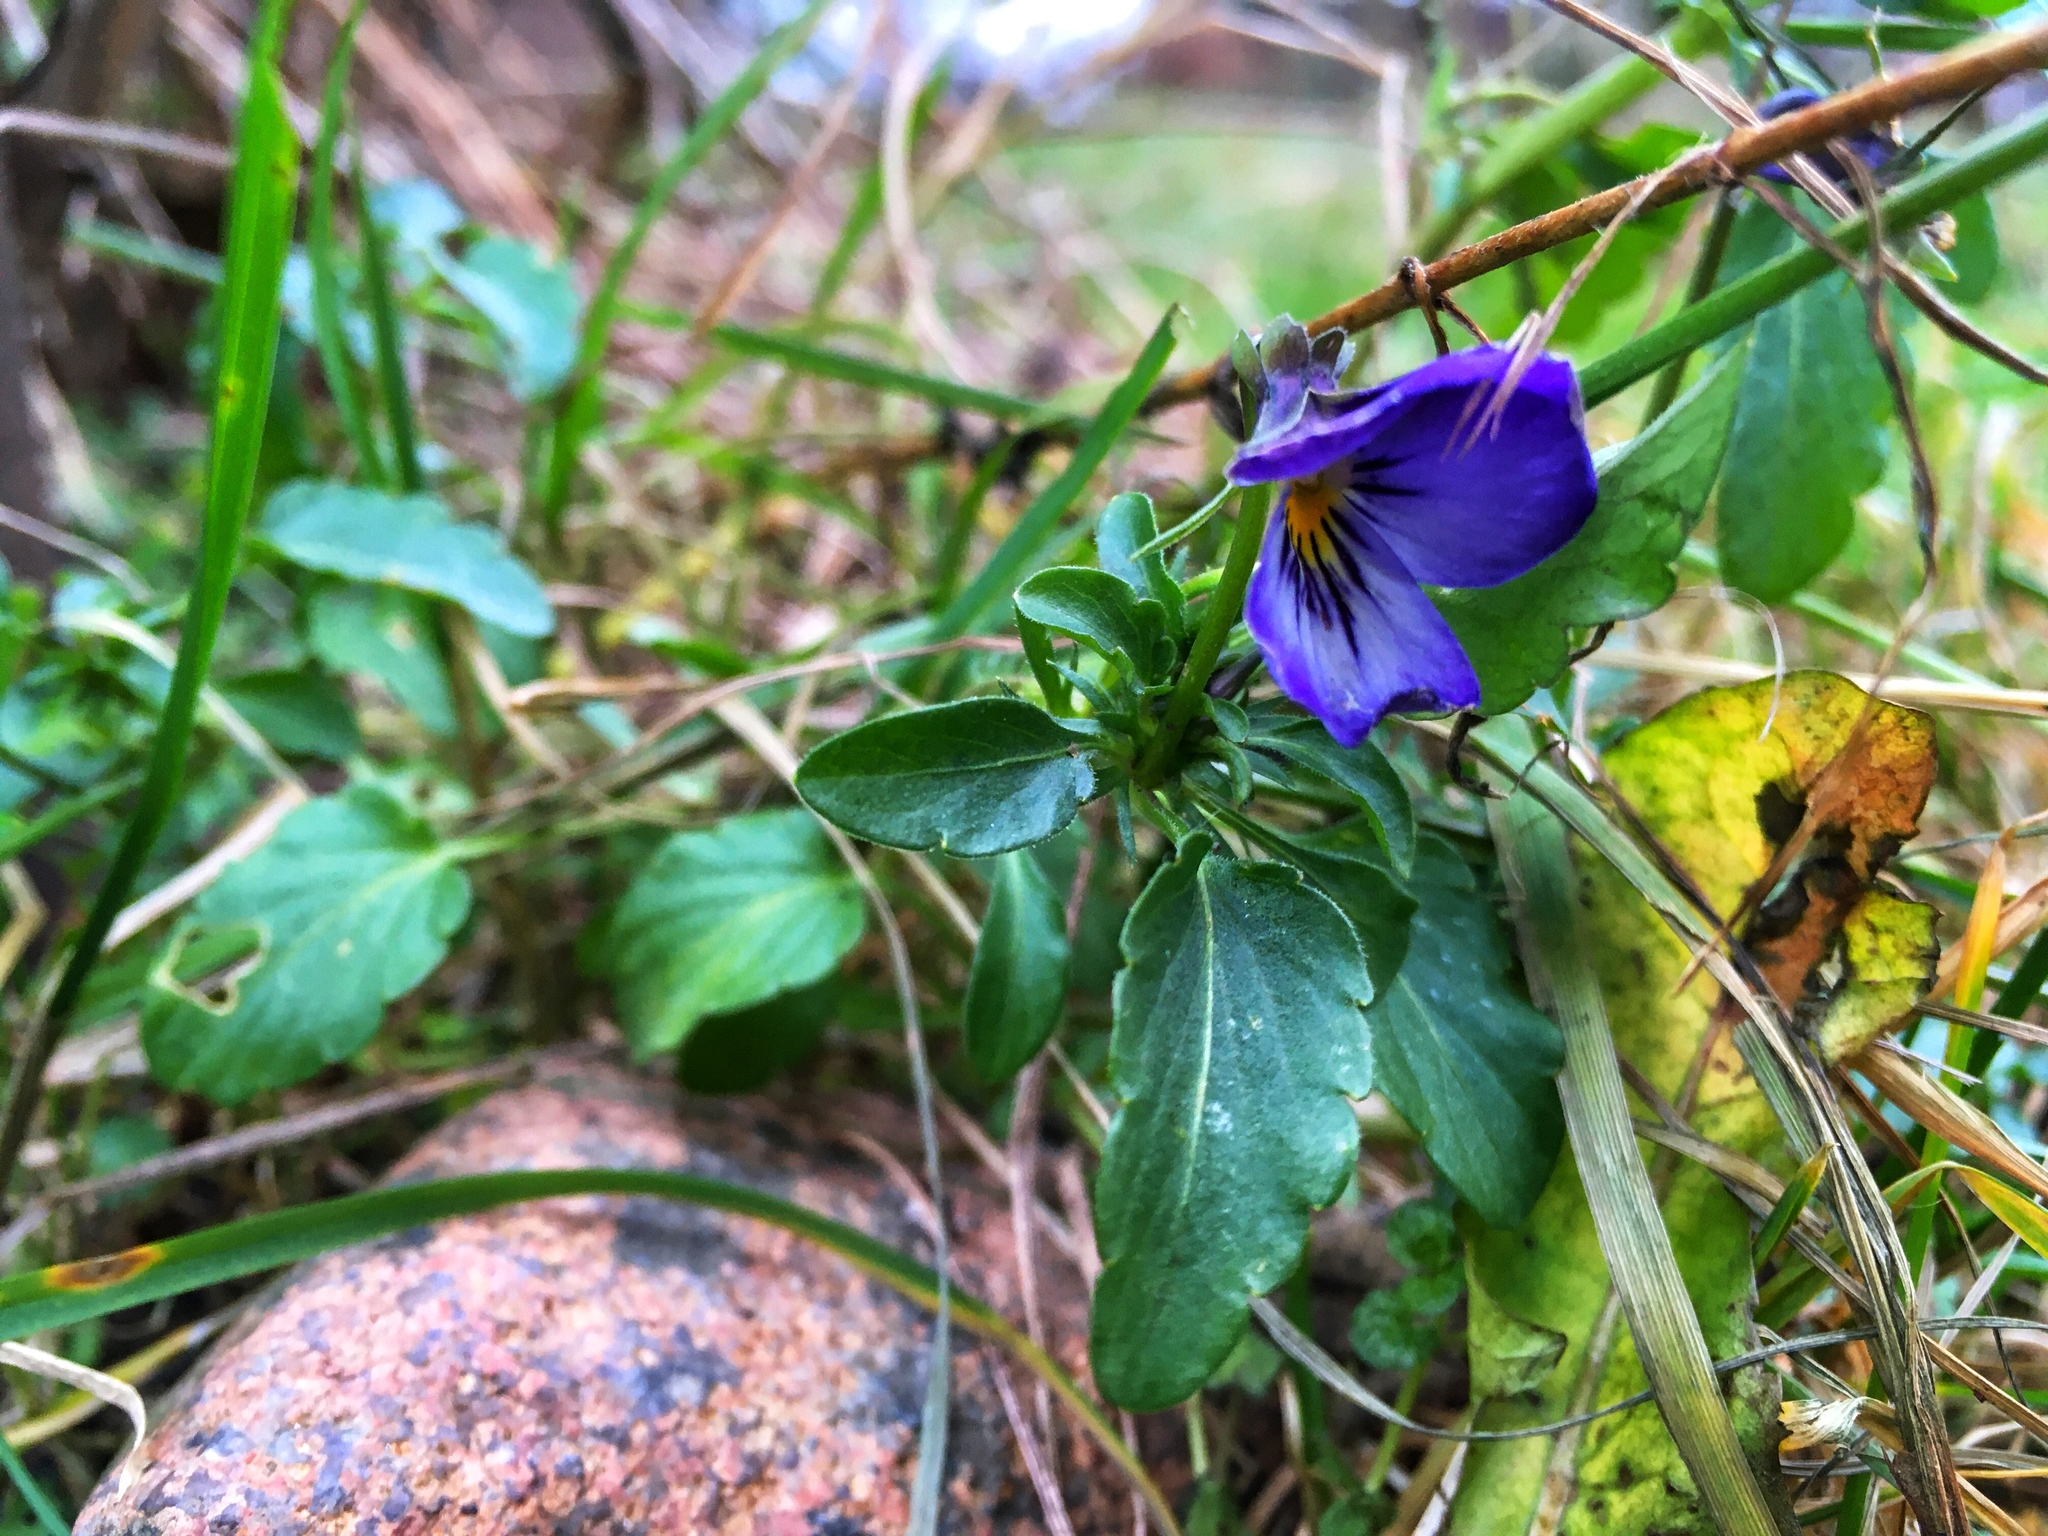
(1953, 74)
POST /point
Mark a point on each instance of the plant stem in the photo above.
(263, 199)
(1225, 604)
(1705, 270)
(1992, 157)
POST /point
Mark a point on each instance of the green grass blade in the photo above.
(582, 402)
(1543, 894)
(1798, 1194)
(263, 201)
(1014, 557)
(165, 256)
(58, 816)
(40, 1503)
(71, 1293)
(388, 326)
(1991, 158)
(801, 356)
(1893, 35)
(335, 361)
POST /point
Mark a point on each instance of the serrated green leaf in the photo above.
(1103, 613)
(1422, 1237)
(1619, 566)
(1387, 1334)
(385, 634)
(350, 906)
(404, 541)
(1362, 770)
(720, 920)
(1809, 431)
(1126, 526)
(300, 712)
(532, 309)
(1467, 1062)
(1017, 986)
(978, 777)
(1238, 1041)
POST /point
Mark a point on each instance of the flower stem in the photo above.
(1225, 604)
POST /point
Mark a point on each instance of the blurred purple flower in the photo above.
(1391, 487)
(1866, 144)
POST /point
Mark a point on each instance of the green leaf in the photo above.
(531, 307)
(1809, 434)
(1126, 526)
(1467, 1062)
(1387, 1334)
(1238, 1040)
(1104, 614)
(1017, 986)
(300, 712)
(1422, 1237)
(405, 541)
(744, 1052)
(1362, 771)
(350, 904)
(1346, 864)
(722, 919)
(388, 635)
(1975, 256)
(1619, 566)
(1509, 1355)
(977, 777)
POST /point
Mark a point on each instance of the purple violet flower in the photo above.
(1866, 144)
(1388, 488)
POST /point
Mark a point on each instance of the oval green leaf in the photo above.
(978, 777)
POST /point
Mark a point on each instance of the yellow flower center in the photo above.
(1309, 506)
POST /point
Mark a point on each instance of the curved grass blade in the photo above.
(801, 356)
(70, 1293)
(263, 199)
(335, 362)
(1543, 894)
(1012, 561)
(581, 402)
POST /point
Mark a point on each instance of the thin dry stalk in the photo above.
(838, 112)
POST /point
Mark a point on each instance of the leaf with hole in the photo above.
(349, 906)
(404, 541)
(978, 777)
(1017, 985)
(1238, 1042)
(723, 919)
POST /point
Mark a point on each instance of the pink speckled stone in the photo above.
(606, 1365)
